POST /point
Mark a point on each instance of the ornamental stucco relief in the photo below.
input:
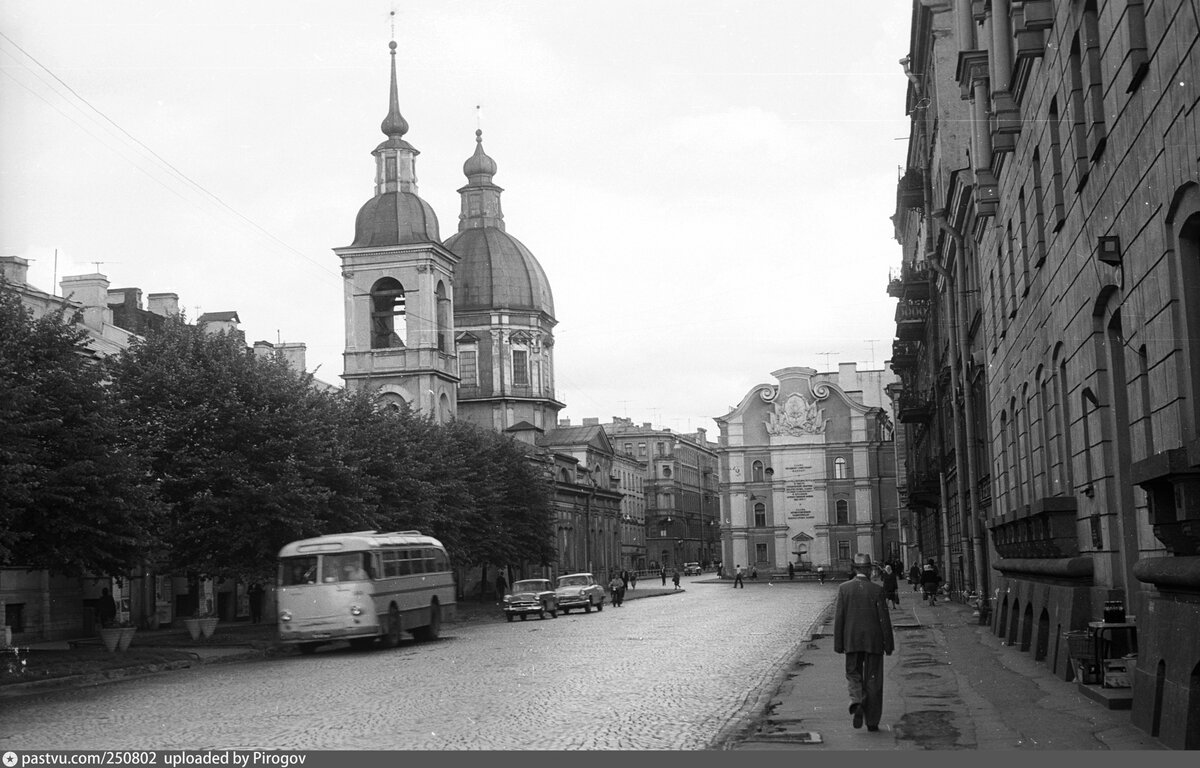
(796, 416)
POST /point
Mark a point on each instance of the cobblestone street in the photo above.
(668, 672)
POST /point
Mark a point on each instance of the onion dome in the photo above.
(396, 215)
(495, 269)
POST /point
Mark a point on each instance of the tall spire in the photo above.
(394, 125)
(395, 158)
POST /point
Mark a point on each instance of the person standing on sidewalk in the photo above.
(862, 630)
(891, 586)
(737, 578)
(791, 570)
(663, 573)
(930, 578)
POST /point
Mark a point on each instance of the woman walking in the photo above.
(891, 586)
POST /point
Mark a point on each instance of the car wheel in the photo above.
(508, 616)
(541, 614)
(588, 608)
(600, 605)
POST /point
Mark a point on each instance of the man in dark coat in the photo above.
(862, 630)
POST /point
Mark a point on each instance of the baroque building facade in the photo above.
(807, 472)
(1048, 325)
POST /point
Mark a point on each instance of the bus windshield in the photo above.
(297, 570)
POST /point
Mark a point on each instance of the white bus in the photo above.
(363, 587)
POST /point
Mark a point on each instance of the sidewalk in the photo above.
(950, 685)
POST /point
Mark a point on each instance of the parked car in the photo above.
(579, 590)
(691, 569)
(531, 596)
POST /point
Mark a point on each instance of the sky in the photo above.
(708, 185)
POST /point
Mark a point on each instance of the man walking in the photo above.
(862, 630)
(737, 578)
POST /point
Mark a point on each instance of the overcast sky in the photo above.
(707, 185)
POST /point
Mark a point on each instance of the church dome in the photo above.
(395, 218)
(497, 271)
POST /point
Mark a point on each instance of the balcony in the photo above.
(924, 489)
(910, 190)
(912, 282)
(911, 316)
(905, 354)
(915, 408)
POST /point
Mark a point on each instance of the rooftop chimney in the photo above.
(14, 269)
(91, 292)
(591, 421)
(165, 304)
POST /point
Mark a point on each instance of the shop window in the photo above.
(14, 616)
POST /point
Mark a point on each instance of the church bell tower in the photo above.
(398, 282)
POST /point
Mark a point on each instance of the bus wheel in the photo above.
(391, 637)
(308, 648)
(434, 627)
(362, 643)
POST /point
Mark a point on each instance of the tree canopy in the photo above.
(75, 496)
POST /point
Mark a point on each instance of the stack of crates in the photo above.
(1082, 649)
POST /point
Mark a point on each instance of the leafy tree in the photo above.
(246, 452)
(74, 494)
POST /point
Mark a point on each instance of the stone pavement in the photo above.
(232, 641)
(950, 685)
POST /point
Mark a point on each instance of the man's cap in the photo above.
(862, 559)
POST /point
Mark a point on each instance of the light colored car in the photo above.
(579, 590)
(528, 596)
(691, 569)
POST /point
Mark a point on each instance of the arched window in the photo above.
(756, 471)
(760, 515)
(389, 326)
(839, 468)
(842, 508)
(443, 318)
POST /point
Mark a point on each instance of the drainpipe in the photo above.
(958, 332)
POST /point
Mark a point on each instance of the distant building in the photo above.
(678, 494)
(808, 473)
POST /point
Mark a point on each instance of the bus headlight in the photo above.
(355, 610)
(285, 615)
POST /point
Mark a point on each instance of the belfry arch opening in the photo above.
(389, 323)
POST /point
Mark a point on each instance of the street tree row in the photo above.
(188, 453)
